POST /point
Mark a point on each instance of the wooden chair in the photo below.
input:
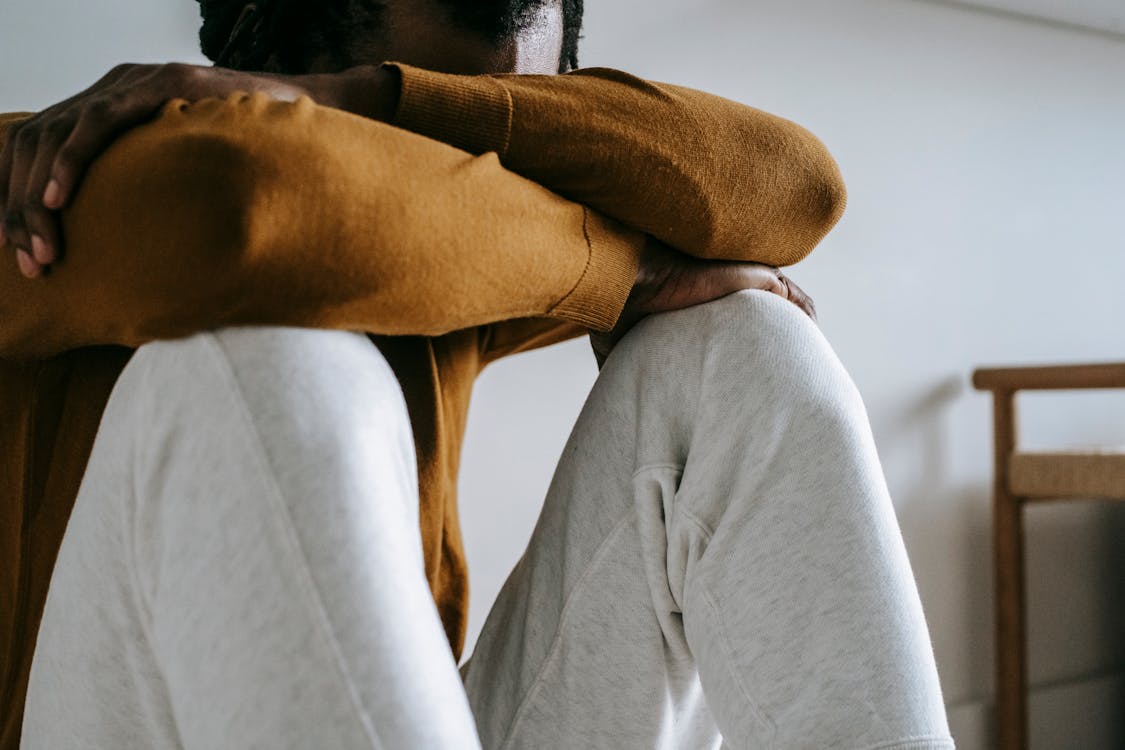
(1021, 478)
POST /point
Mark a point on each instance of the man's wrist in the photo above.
(653, 267)
(368, 91)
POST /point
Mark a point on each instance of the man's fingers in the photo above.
(15, 235)
(751, 275)
(45, 158)
(797, 296)
(41, 222)
(91, 133)
(28, 267)
(28, 226)
(6, 156)
(97, 127)
(44, 236)
(23, 156)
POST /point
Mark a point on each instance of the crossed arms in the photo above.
(253, 211)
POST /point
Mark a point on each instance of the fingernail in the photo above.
(40, 251)
(52, 196)
(28, 267)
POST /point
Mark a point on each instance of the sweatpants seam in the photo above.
(676, 467)
(695, 521)
(556, 642)
(292, 540)
(724, 639)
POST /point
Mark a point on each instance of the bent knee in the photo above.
(299, 381)
(751, 320)
(750, 340)
(283, 363)
(267, 354)
(744, 366)
(312, 409)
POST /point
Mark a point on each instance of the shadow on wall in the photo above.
(946, 528)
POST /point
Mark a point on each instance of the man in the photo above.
(242, 566)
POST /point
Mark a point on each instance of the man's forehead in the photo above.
(539, 44)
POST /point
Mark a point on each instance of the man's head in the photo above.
(461, 36)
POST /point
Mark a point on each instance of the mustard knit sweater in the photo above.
(493, 215)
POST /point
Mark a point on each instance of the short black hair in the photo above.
(290, 33)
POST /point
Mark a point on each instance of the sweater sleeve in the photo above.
(250, 211)
(705, 175)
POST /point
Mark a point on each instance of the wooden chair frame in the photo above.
(1007, 529)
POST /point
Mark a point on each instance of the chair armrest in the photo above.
(1057, 377)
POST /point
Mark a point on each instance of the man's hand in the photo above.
(45, 158)
(670, 280)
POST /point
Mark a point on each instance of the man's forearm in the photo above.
(248, 211)
(707, 176)
(613, 167)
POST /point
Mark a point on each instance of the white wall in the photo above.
(986, 165)
(49, 49)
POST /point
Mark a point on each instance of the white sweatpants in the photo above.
(717, 554)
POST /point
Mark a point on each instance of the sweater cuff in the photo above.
(599, 297)
(472, 113)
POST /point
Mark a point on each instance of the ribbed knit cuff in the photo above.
(596, 302)
(472, 113)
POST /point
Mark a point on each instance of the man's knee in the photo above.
(271, 367)
(732, 373)
(297, 389)
(335, 378)
(752, 343)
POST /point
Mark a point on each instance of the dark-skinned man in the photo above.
(243, 563)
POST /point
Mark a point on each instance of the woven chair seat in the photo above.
(1079, 474)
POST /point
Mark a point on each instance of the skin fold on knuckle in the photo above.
(99, 111)
(26, 140)
(10, 221)
(7, 154)
(40, 223)
(57, 131)
(14, 230)
(64, 169)
(175, 75)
